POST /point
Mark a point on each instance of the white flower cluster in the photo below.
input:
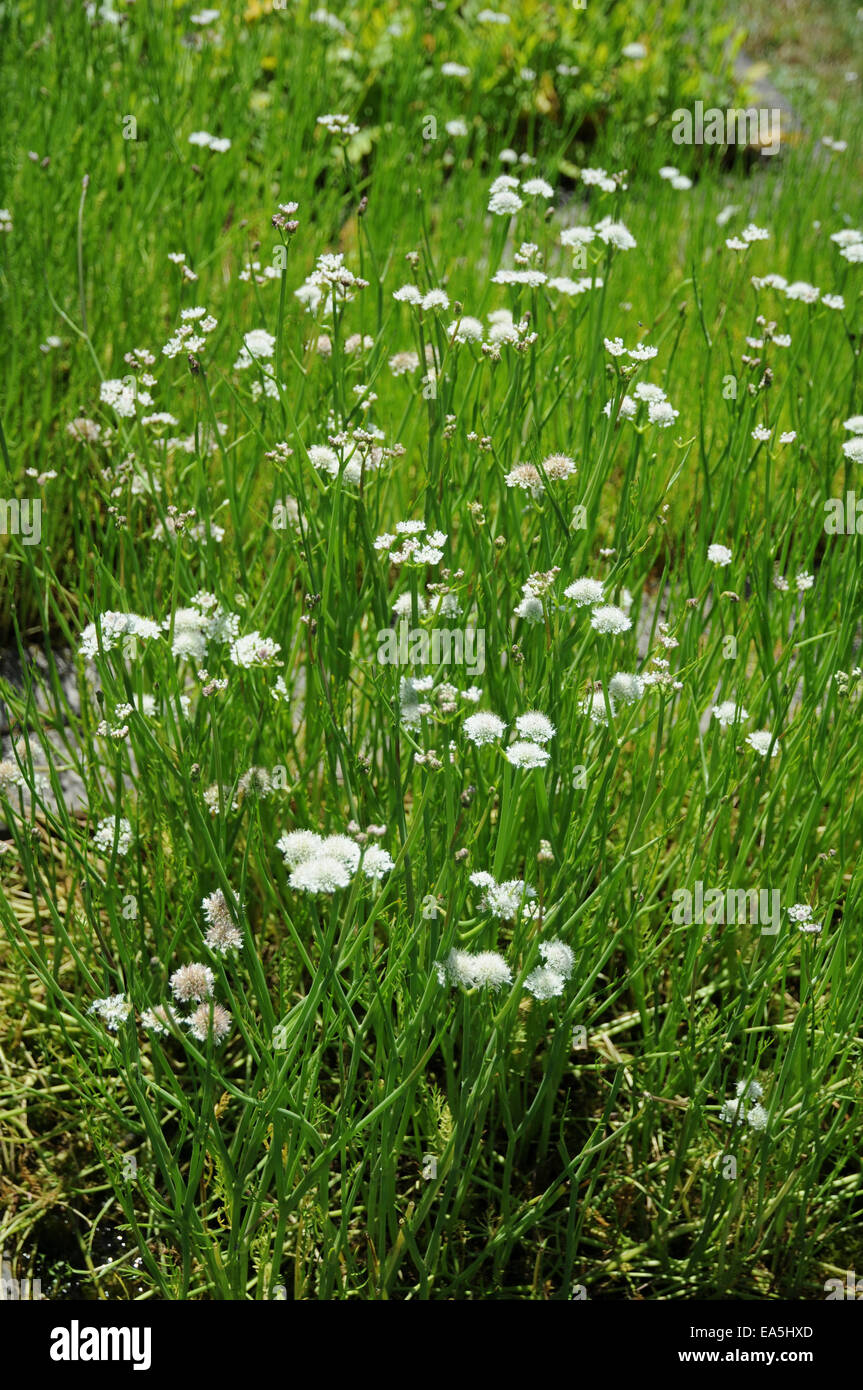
(674, 177)
(850, 243)
(411, 545)
(488, 970)
(853, 447)
(116, 629)
(801, 913)
(605, 618)
(195, 627)
(222, 934)
(254, 650)
(114, 1010)
(529, 477)
(219, 144)
(325, 863)
(503, 198)
(747, 237)
(505, 900)
(609, 232)
(547, 981)
(258, 346)
(735, 1112)
(528, 750)
(191, 984)
(331, 281)
(121, 394)
(799, 290)
(191, 335)
(109, 829)
(660, 411)
(433, 300)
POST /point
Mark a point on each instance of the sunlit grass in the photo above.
(365, 1130)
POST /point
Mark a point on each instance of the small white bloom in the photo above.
(732, 1112)
(558, 956)
(661, 413)
(761, 741)
(594, 706)
(626, 687)
(537, 188)
(254, 650)
(728, 713)
(106, 831)
(323, 873)
(504, 203)
(608, 619)
(750, 1090)
(853, 449)
(114, 1010)
(800, 912)
(377, 862)
(483, 727)
(192, 983)
(525, 754)
(535, 726)
(584, 592)
(544, 983)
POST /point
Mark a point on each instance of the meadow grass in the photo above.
(470, 1047)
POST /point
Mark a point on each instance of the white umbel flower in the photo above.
(557, 956)
(192, 982)
(761, 741)
(377, 862)
(535, 726)
(732, 1113)
(594, 706)
(106, 831)
(525, 754)
(750, 1090)
(728, 712)
(222, 934)
(322, 874)
(799, 912)
(209, 1021)
(485, 970)
(853, 449)
(114, 1010)
(585, 592)
(544, 983)
(254, 650)
(757, 1117)
(483, 727)
(299, 845)
(608, 619)
(343, 848)
(626, 687)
